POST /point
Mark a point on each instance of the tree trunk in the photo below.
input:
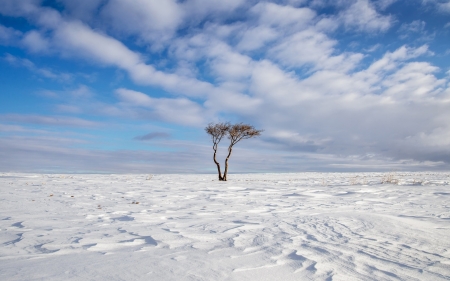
(224, 178)
(218, 165)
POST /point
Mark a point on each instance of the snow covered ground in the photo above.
(306, 226)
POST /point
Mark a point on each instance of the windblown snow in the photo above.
(306, 226)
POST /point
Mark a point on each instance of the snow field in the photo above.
(306, 226)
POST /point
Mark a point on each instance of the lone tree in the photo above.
(235, 133)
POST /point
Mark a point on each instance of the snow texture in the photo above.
(306, 226)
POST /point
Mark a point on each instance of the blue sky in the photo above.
(129, 85)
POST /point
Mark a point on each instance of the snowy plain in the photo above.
(305, 226)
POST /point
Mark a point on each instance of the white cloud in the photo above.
(134, 97)
(272, 22)
(389, 61)
(35, 42)
(271, 14)
(197, 10)
(9, 36)
(373, 48)
(413, 80)
(19, 129)
(77, 39)
(84, 10)
(151, 20)
(81, 92)
(444, 7)
(256, 37)
(71, 109)
(416, 26)
(49, 120)
(179, 110)
(44, 72)
(374, 109)
(362, 16)
(19, 8)
(383, 4)
(314, 49)
(227, 64)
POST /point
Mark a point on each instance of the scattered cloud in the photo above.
(416, 26)
(177, 110)
(71, 109)
(383, 4)
(43, 72)
(70, 94)
(81, 92)
(362, 16)
(314, 49)
(416, 29)
(151, 20)
(35, 42)
(373, 48)
(151, 136)
(9, 36)
(5, 128)
(48, 120)
(444, 7)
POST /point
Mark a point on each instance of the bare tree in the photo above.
(217, 132)
(235, 133)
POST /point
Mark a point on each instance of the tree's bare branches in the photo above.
(242, 131)
(217, 131)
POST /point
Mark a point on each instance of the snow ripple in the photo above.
(310, 226)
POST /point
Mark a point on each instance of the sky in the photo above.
(128, 86)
